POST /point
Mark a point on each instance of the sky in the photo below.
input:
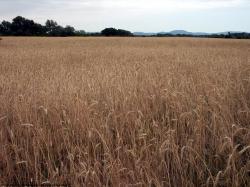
(135, 15)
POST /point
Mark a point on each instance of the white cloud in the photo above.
(131, 14)
(158, 4)
(138, 4)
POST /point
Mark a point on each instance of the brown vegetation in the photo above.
(125, 111)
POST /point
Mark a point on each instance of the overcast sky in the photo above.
(135, 15)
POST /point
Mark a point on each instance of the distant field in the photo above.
(125, 111)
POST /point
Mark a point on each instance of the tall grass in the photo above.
(125, 111)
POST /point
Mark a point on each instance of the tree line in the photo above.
(21, 26)
(242, 35)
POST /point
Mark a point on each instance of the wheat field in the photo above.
(124, 112)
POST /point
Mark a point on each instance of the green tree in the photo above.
(5, 28)
(115, 32)
(69, 31)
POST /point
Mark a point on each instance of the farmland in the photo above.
(125, 111)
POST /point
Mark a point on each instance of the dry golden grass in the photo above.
(125, 111)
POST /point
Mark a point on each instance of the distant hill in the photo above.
(174, 32)
(184, 32)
